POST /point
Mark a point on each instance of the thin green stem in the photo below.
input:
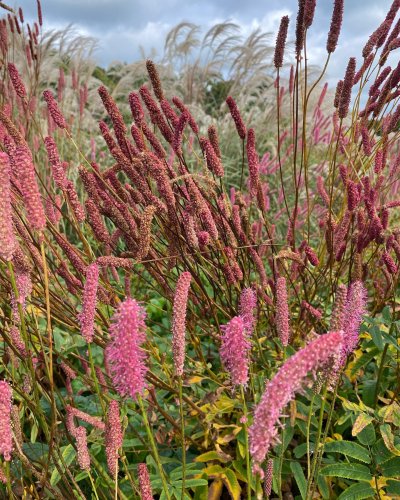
(308, 436)
(153, 446)
(183, 437)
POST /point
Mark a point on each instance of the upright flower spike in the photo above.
(86, 317)
(54, 110)
(8, 243)
(282, 311)
(179, 321)
(336, 25)
(16, 80)
(234, 350)
(144, 483)
(124, 354)
(247, 307)
(237, 118)
(354, 310)
(113, 438)
(5, 420)
(291, 378)
(280, 42)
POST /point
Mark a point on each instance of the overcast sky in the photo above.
(122, 26)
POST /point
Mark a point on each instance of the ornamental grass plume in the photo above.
(5, 420)
(86, 317)
(234, 350)
(144, 483)
(179, 321)
(282, 311)
(291, 378)
(113, 437)
(8, 242)
(124, 354)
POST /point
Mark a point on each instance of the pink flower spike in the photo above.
(144, 483)
(247, 307)
(179, 321)
(8, 242)
(291, 378)
(54, 110)
(5, 420)
(354, 310)
(124, 354)
(282, 311)
(235, 350)
(113, 438)
(86, 317)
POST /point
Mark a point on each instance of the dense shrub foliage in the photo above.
(199, 264)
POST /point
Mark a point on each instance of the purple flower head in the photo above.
(291, 378)
(124, 354)
(235, 349)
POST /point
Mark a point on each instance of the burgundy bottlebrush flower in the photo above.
(345, 96)
(235, 349)
(5, 420)
(86, 317)
(247, 308)
(96, 221)
(338, 93)
(212, 160)
(82, 448)
(291, 378)
(322, 191)
(54, 110)
(253, 162)
(136, 108)
(366, 142)
(309, 11)
(8, 242)
(282, 311)
(311, 255)
(389, 263)
(280, 42)
(113, 112)
(237, 118)
(336, 25)
(113, 437)
(55, 162)
(213, 138)
(144, 483)
(154, 79)
(170, 114)
(179, 321)
(300, 30)
(183, 109)
(124, 354)
(155, 143)
(353, 196)
(145, 232)
(354, 310)
(16, 80)
(39, 12)
(312, 310)
(178, 133)
(25, 169)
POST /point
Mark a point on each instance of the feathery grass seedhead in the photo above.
(125, 356)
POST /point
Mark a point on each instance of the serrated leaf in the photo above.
(68, 455)
(377, 337)
(232, 484)
(388, 439)
(300, 478)
(348, 448)
(360, 423)
(393, 487)
(357, 491)
(347, 471)
(391, 467)
(367, 435)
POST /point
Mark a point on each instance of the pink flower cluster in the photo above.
(124, 354)
(179, 321)
(234, 350)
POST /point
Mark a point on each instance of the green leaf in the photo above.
(300, 478)
(211, 455)
(393, 487)
(323, 487)
(357, 491)
(367, 435)
(364, 360)
(377, 337)
(191, 483)
(350, 449)
(348, 471)
(388, 439)
(232, 484)
(391, 467)
(301, 450)
(68, 455)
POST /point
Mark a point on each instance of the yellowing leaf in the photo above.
(360, 423)
(195, 379)
(388, 439)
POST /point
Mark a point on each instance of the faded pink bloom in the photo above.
(95, 421)
(16, 80)
(124, 354)
(179, 321)
(113, 438)
(8, 242)
(247, 307)
(237, 118)
(354, 310)
(212, 160)
(291, 378)
(25, 169)
(389, 263)
(144, 483)
(282, 311)
(55, 162)
(54, 110)
(86, 317)
(338, 310)
(234, 350)
(312, 310)
(5, 420)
